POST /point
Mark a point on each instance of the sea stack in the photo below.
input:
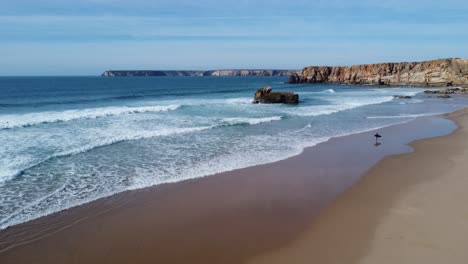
(265, 95)
(435, 73)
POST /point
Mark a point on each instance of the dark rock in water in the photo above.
(402, 96)
(455, 90)
(263, 91)
(265, 95)
(444, 96)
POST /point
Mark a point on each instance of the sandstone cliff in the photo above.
(136, 73)
(443, 72)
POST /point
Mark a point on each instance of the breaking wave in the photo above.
(338, 106)
(250, 121)
(31, 119)
(402, 116)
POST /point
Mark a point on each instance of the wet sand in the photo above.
(409, 208)
(260, 214)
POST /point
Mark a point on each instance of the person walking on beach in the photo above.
(377, 136)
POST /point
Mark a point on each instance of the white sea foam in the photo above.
(15, 165)
(31, 119)
(132, 135)
(251, 121)
(8, 173)
(403, 116)
(347, 100)
(338, 105)
(242, 155)
(329, 91)
(398, 91)
(411, 101)
(240, 100)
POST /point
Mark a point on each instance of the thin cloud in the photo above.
(88, 36)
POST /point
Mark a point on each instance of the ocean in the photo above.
(66, 141)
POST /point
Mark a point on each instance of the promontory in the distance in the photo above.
(435, 73)
(150, 73)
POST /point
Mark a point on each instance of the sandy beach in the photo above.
(409, 208)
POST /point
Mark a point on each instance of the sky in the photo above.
(87, 37)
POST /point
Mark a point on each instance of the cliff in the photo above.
(136, 73)
(443, 72)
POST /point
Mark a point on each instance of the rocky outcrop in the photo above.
(402, 97)
(265, 95)
(132, 73)
(443, 72)
(444, 96)
(455, 90)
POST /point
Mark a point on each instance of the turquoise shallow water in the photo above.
(65, 141)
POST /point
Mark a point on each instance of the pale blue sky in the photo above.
(86, 37)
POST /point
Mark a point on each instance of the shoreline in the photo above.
(110, 196)
(371, 130)
(199, 195)
(409, 208)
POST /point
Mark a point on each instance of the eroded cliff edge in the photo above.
(443, 72)
(137, 73)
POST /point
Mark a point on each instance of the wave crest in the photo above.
(103, 140)
(250, 121)
(403, 116)
(240, 100)
(329, 91)
(338, 105)
(31, 119)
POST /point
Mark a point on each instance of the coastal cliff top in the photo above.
(440, 72)
(436, 61)
(226, 72)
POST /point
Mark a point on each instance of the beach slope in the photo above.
(410, 208)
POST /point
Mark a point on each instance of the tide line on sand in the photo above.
(409, 208)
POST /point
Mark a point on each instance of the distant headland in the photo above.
(442, 72)
(150, 73)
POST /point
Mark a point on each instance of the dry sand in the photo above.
(410, 208)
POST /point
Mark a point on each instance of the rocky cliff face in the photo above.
(444, 72)
(200, 73)
(132, 73)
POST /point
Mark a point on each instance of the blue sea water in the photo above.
(65, 141)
